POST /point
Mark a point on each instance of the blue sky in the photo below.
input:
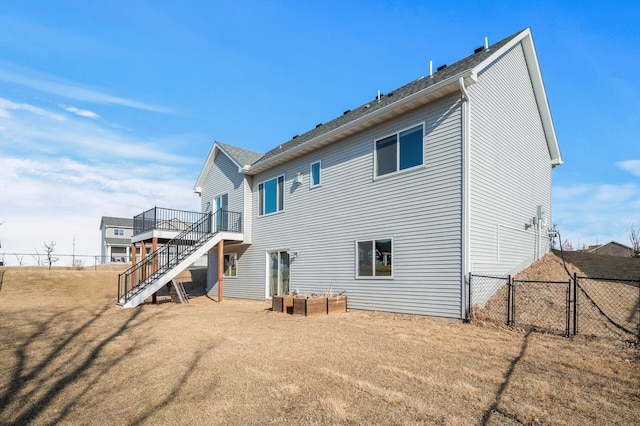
(110, 108)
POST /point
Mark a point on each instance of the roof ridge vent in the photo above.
(294, 136)
(318, 125)
(478, 49)
(346, 112)
(441, 67)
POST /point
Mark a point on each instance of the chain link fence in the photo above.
(489, 298)
(601, 307)
(608, 307)
(541, 305)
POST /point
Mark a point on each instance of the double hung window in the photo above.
(271, 196)
(400, 151)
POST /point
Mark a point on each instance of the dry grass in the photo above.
(68, 356)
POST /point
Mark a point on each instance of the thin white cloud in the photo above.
(631, 166)
(81, 112)
(6, 105)
(42, 131)
(71, 90)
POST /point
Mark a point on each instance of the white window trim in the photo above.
(237, 269)
(397, 134)
(373, 277)
(311, 185)
(284, 182)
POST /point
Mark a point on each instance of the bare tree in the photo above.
(48, 250)
(20, 259)
(634, 237)
(36, 257)
(567, 246)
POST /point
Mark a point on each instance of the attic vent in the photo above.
(441, 67)
(389, 94)
(478, 49)
(318, 125)
(346, 112)
(294, 136)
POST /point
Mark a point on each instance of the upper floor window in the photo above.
(118, 232)
(400, 151)
(271, 196)
(315, 174)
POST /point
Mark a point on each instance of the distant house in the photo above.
(394, 202)
(115, 239)
(611, 248)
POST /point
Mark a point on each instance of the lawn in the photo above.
(68, 356)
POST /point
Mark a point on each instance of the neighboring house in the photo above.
(115, 239)
(612, 249)
(394, 202)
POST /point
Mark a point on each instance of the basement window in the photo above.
(230, 265)
(374, 258)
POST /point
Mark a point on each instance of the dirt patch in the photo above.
(551, 268)
(68, 356)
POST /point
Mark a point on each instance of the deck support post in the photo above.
(220, 268)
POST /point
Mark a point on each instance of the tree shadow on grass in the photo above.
(494, 406)
(32, 388)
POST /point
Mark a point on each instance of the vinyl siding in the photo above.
(510, 168)
(223, 178)
(420, 209)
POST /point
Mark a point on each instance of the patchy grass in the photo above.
(68, 356)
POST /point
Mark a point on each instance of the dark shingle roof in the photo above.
(122, 222)
(243, 156)
(117, 241)
(388, 99)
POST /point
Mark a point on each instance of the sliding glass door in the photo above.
(278, 273)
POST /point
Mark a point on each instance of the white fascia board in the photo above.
(467, 75)
(535, 75)
(208, 164)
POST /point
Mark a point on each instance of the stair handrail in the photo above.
(140, 271)
(229, 221)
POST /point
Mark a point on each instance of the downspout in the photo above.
(466, 244)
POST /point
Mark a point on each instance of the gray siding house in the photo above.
(397, 201)
(115, 239)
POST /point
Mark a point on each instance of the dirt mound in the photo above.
(550, 267)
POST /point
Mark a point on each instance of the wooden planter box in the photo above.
(310, 306)
(282, 303)
(336, 304)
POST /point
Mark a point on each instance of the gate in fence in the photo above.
(604, 307)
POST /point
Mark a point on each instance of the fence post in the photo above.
(469, 300)
(510, 301)
(575, 303)
(568, 308)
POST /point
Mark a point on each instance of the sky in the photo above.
(109, 108)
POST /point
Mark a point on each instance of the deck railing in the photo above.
(160, 218)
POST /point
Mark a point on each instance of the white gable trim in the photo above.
(208, 164)
(537, 83)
